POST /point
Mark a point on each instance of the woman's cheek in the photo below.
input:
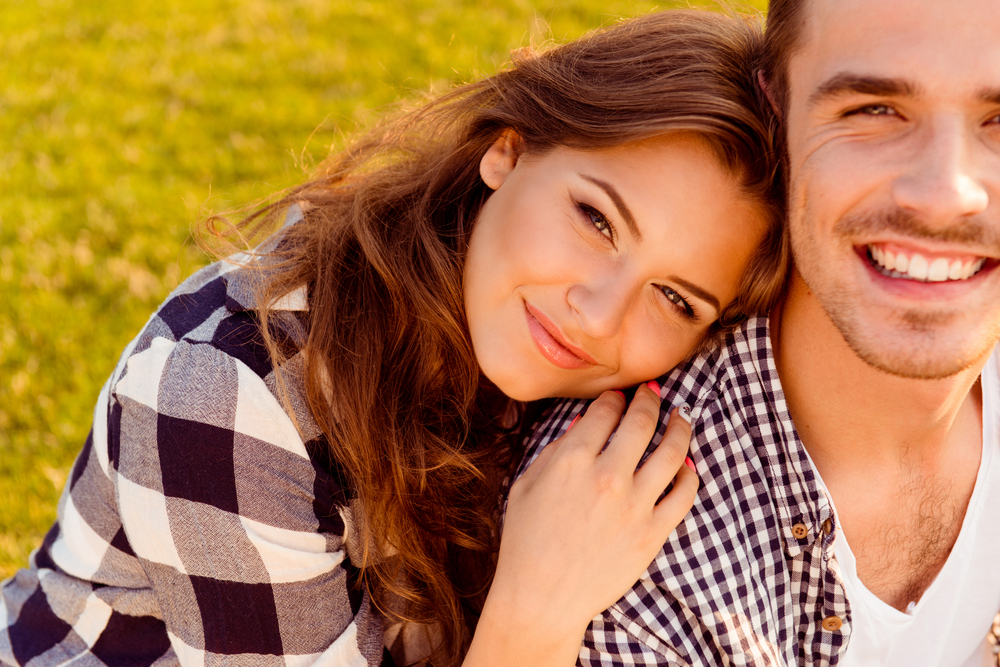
(656, 348)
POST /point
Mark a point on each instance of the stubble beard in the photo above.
(914, 343)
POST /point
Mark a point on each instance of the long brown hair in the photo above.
(390, 373)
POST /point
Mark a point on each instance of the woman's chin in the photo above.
(525, 389)
(522, 391)
(522, 385)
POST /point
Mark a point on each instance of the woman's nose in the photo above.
(601, 305)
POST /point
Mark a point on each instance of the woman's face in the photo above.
(596, 270)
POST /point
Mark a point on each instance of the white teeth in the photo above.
(918, 268)
(902, 263)
(938, 270)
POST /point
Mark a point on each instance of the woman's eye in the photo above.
(597, 219)
(677, 300)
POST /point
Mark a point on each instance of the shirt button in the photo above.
(832, 623)
(800, 531)
(827, 527)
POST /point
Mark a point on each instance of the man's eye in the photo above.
(677, 300)
(597, 219)
(873, 110)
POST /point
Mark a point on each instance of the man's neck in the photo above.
(899, 456)
(843, 406)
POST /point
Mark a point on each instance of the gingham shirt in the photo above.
(749, 577)
(198, 526)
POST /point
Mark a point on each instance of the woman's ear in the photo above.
(500, 159)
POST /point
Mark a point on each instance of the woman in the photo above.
(302, 454)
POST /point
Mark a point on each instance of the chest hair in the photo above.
(902, 541)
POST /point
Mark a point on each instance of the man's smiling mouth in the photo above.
(915, 266)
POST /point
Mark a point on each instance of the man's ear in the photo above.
(765, 88)
(500, 159)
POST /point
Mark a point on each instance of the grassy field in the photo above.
(122, 123)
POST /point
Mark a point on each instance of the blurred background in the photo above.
(125, 122)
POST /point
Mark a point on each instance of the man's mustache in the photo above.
(969, 231)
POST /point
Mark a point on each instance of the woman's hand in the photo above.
(581, 527)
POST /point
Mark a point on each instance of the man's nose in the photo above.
(943, 181)
(601, 304)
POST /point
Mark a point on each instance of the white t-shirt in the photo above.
(948, 626)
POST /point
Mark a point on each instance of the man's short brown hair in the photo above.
(782, 37)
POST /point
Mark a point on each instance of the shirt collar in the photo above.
(244, 275)
(746, 385)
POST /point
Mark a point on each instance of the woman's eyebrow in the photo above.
(619, 203)
(990, 95)
(699, 292)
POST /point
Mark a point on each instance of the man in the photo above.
(848, 446)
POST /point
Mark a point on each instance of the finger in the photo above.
(636, 429)
(597, 424)
(668, 457)
(670, 511)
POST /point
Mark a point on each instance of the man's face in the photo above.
(894, 142)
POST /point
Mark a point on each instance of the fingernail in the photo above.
(575, 420)
(619, 392)
(689, 463)
(652, 384)
(685, 413)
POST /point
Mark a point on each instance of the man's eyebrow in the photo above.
(846, 83)
(619, 203)
(699, 292)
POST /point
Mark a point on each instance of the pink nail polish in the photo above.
(654, 387)
(575, 420)
(689, 463)
(619, 392)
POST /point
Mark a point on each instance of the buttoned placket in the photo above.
(806, 513)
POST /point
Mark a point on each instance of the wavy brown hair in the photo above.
(390, 373)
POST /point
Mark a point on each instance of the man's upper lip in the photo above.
(555, 332)
(930, 249)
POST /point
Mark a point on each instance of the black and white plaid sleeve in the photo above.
(197, 526)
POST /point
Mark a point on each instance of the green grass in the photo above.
(123, 122)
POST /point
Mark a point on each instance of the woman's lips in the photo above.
(551, 343)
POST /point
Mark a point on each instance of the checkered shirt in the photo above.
(749, 577)
(199, 526)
